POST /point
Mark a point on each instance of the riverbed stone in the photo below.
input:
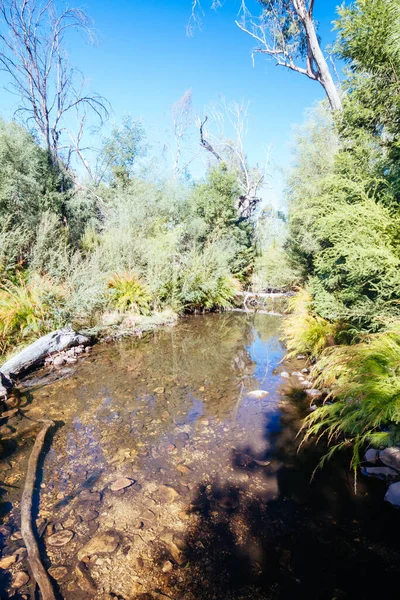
(314, 393)
(9, 413)
(175, 547)
(258, 394)
(121, 483)
(7, 561)
(393, 494)
(285, 375)
(371, 455)
(58, 361)
(391, 457)
(19, 580)
(85, 580)
(168, 493)
(61, 538)
(103, 543)
(385, 473)
(167, 566)
(59, 573)
(159, 390)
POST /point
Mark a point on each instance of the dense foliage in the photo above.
(344, 236)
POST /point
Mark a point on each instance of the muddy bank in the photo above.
(166, 477)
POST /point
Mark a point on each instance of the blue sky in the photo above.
(145, 62)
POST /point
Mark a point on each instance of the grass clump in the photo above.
(305, 332)
(27, 310)
(128, 292)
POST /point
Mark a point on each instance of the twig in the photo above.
(38, 571)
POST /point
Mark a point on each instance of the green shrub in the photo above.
(306, 332)
(204, 281)
(128, 292)
(364, 380)
(27, 310)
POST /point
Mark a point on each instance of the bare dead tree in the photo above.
(33, 55)
(182, 119)
(286, 31)
(230, 149)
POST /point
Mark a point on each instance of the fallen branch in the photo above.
(38, 571)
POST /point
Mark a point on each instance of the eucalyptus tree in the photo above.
(286, 31)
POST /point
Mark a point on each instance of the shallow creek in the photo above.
(218, 504)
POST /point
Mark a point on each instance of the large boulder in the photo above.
(391, 457)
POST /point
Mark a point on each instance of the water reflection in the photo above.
(218, 486)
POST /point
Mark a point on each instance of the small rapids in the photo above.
(166, 477)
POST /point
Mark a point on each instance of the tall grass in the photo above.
(305, 332)
(27, 310)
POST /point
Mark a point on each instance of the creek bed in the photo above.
(215, 501)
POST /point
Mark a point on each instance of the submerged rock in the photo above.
(20, 579)
(168, 493)
(258, 394)
(84, 578)
(103, 543)
(175, 547)
(61, 538)
(7, 561)
(380, 472)
(391, 457)
(121, 484)
(393, 494)
(58, 573)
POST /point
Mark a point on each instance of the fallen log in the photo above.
(35, 354)
(38, 571)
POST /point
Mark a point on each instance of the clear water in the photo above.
(216, 471)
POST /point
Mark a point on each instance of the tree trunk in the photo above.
(323, 73)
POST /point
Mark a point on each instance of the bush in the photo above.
(27, 310)
(128, 292)
(306, 332)
(204, 281)
(364, 380)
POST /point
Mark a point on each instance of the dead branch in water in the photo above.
(38, 571)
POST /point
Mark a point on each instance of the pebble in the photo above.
(167, 567)
(61, 538)
(314, 393)
(159, 390)
(58, 573)
(84, 578)
(102, 543)
(393, 494)
(7, 561)
(371, 455)
(285, 375)
(59, 361)
(20, 579)
(175, 547)
(9, 413)
(121, 484)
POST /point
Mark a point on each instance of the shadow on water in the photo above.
(175, 411)
(315, 540)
